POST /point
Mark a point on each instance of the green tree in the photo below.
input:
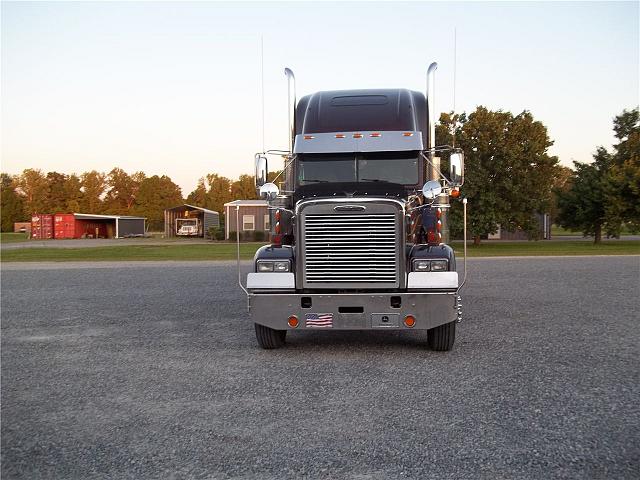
(93, 187)
(154, 196)
(219, 192)
(623, 198)
(72, 193)
(605, 194)
(508, 171)
(122, 190)
(582, 206)
(33, 187)
(199, 196)
(11, 204)
(561, 184)
(244, 188)
(56, 197)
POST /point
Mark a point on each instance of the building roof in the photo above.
(193, 207)
(91, 216)
(247, 203)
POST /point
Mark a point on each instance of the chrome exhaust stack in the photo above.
(291, 95)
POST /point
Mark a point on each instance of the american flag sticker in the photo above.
(319, 320)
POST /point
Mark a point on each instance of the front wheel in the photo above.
(441, 338)
(268, 338)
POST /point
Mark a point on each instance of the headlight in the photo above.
(273, 266)
(423, 265)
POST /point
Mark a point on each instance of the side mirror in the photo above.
(269, 191)
(456, 169)
(431, 189)
(261, 171)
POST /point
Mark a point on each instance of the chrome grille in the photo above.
(351, 249)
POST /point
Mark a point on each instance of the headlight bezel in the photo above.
(440, 264)
(273, 266)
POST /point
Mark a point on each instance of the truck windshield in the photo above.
(392, 167)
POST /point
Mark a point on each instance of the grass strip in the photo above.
(227, 251)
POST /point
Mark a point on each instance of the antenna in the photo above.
(262, 84)
(455, 55)
(455, 64)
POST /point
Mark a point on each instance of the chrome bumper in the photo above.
(366, 310)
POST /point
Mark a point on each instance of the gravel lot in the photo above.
(152, 371)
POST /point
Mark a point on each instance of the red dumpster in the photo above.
(41, 226)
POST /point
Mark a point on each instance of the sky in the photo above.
(175, 88)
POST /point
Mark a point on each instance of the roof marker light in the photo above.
(309, 137)
(357, 135)
(340, 135)
(375, 135)
(407, 134)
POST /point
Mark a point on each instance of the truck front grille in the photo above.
(360, 250)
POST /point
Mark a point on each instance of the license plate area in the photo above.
(385, 320)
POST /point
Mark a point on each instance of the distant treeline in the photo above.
(116, 192)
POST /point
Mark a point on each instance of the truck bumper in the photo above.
(359, 311)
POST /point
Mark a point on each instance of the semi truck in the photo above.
(359, 233)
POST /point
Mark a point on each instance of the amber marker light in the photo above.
(455, 193)
(410, 321)
(277, 228)
(293, 321)
(309, 137)
(407, 134)
(277, 215)
(340, 135)
(375, 135)
(357, 135)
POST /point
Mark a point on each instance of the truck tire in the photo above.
(268, 338)
(441, 338)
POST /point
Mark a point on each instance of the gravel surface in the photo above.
(152, 371)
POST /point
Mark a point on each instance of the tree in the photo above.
(623, 198)
(11, 204)
(219, 192)
(72, 193)
(199, 196)
(122, 191)
(33, 187)
(56, 198)
(582, 206)
(93, 187)
(561, 184)
(508, 171)
(605, 194)
(154, 196)
(244, 188)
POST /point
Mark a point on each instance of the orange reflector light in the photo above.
(277, 215)
(439, 225)
(357, 135)
(375, 135)
(293, 321)
(409, 321)
(455, 193)
(407, 134)
(340, 135)
(277, 228)
(309, 137)
(438, 213)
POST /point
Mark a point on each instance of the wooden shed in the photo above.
(253, 215)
